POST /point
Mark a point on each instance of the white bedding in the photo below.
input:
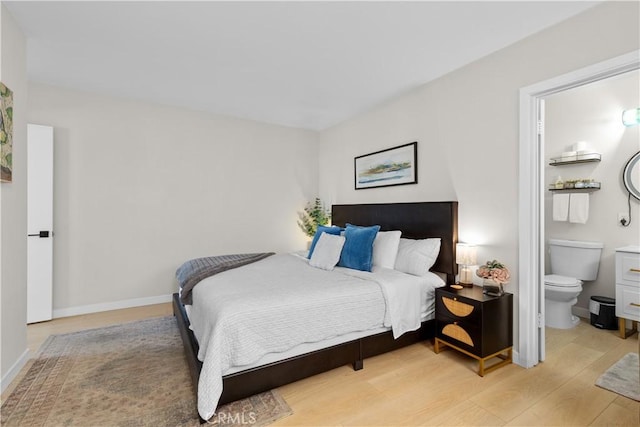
(293, 305)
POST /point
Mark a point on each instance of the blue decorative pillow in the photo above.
(357, 252)
(335, 230)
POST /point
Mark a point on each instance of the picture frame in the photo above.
(393, 166)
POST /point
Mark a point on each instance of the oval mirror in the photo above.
(631, 175)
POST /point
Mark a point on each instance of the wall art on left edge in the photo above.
(6, 133)
(393, 166)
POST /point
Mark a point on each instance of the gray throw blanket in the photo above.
(193, 271)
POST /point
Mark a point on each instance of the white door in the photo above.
(39, 223)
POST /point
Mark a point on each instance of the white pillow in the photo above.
(417, 256)
(327, 251)
(385, 248)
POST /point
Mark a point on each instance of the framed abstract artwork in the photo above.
(6, 134)
(393, 166)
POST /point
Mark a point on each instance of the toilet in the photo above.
(572, 262)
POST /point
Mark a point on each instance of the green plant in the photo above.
(314, 214)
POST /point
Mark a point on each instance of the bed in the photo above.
(424, 220)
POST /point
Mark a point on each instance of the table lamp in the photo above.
(466, 256)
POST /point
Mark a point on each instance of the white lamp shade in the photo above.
(466, 254)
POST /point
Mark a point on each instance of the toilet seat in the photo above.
(558, 281)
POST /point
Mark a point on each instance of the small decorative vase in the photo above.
(492, 288)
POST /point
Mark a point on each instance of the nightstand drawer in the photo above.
(462, 334)
(628, 269)
(458, 308)
(628, 302)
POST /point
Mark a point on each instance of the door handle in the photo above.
(42, 234)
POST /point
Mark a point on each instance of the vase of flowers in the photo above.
(494, 275)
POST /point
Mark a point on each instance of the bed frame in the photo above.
(417, 221)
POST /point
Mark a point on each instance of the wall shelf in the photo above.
(578, 158)
(576, 190)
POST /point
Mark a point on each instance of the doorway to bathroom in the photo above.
(586, 147)
(534, 187)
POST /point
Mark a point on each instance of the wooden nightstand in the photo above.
(475, 324)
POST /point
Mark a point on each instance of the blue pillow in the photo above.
(357, 252)
(335, 230)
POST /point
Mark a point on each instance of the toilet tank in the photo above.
(575, 258)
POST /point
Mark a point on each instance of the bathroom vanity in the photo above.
(628, 288)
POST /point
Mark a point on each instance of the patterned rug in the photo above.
(623, 377)
(133, 374)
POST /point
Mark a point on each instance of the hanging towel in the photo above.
(579, 208)
(560, 207)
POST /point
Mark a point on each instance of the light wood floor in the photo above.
(415, 386)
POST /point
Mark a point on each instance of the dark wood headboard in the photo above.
(420, 220)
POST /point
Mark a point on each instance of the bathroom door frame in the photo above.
(531, 348)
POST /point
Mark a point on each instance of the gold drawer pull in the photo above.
(634, 304)
(635, 270)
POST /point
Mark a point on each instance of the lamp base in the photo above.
(465, 278)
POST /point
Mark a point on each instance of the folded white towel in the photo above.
(560, 207)
(579, 208)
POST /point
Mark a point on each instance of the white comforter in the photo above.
(275, 304)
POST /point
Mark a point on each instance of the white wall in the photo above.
(592, 113)
(466, 125)
(140, 188)
(13, 260)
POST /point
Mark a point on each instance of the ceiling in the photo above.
(309, 65)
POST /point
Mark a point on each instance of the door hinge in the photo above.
(540, 320)
(540, 127)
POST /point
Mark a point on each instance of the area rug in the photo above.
(133, 374)
(623, 377)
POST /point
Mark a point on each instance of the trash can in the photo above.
(603, 312)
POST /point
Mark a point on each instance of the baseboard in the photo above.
(581, 312)
(107, 306)
(14, 371)
(515, 356)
